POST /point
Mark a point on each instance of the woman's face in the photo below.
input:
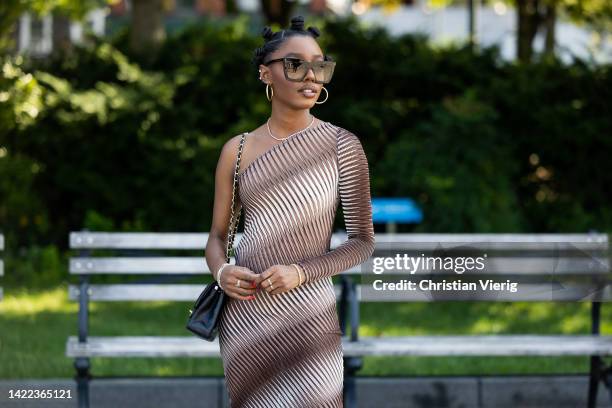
(288, 92)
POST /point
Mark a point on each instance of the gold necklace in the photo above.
(270, 132)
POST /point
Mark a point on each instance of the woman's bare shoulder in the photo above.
(229, 151)
(232, 144)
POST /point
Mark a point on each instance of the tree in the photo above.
(147, 31)
(278, 11)
(537, 15)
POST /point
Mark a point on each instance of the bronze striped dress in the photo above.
(285, 350)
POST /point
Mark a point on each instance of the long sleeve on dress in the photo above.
(354, 190)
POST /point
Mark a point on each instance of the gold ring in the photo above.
(238, 283)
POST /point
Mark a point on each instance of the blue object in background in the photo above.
(395, 210)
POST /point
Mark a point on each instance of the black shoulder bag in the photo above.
(204, 317)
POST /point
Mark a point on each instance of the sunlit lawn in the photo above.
(34, 326)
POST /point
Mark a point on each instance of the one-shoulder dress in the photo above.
(285, 350)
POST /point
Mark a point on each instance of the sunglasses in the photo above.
(296, 69)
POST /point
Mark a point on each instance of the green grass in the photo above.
(34, 326)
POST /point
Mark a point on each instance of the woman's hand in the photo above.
(239, 282)
(280, 278)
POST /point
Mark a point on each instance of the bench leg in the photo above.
(608, 381)
(349, 395)
(82, 378)
(594, 381)
(605, 373)
(351, 364)
(343, 307)
(600, 371)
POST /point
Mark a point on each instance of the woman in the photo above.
(279, 335)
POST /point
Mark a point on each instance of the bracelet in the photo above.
(219, 271)
(297, 268)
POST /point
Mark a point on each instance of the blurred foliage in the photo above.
(93, 140)
(455, 165)
(11, 10)
(38, 266)
(596, 13)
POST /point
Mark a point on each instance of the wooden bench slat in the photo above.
(153, 240)
(197, 265)
(483, 345)
(527, 292)
(142, 346)
(148, 265)
(526, 241)
(499, 237)
(144, 292)
(138, 240)
(498, 240)
(441, 345)
(550, 265)
(491, 246)
(507, 265)
(139, 265)
(190, 292)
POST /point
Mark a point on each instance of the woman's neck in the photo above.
(283, 125)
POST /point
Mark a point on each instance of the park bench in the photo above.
(1, 262)
(136, 254)
(524, 255)
(350, 294)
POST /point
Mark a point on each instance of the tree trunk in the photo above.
(61, 33)
(550, 20)
(528, 22)
(278, 11)
(147, 32)
(9, 28)
(11, 45)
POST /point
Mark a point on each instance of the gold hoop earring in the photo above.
(268, 93)
(326, 96)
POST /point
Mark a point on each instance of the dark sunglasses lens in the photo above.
(296, 70)
(323, 71)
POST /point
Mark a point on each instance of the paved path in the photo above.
(417, 392)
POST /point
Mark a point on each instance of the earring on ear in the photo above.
(326, 96)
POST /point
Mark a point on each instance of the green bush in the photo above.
(34, 266)
(456, 166)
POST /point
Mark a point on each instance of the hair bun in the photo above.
(297, 23)
(315, 31)
(267, 33)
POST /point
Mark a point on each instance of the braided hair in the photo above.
(275, 39)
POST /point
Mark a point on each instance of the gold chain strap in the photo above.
(233, 224)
